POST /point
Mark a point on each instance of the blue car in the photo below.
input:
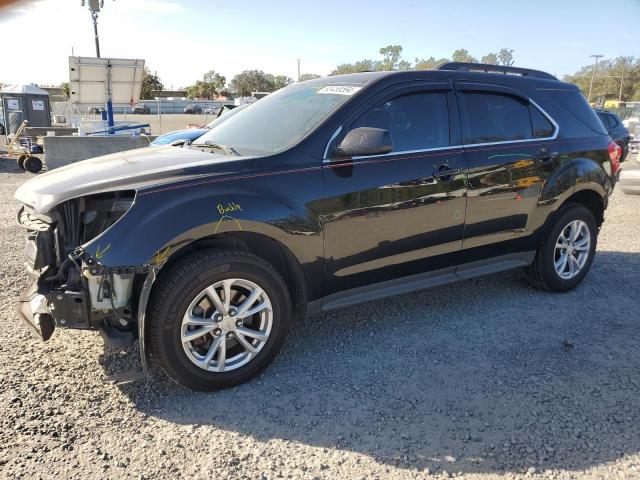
(188, 135)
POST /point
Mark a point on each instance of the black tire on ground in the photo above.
(20, 161)
(32, 164)
(542, 273)
(180, 284)
(1, 129)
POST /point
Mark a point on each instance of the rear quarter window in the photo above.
(573, 102)
(495, 117)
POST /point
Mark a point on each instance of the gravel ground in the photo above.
(482, 379)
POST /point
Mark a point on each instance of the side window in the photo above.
(542, 127)
(416, 121)
(603, 119)
(493, 117)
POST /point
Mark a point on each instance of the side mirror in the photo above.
(364, 141)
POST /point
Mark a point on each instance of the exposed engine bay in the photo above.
(71, 288)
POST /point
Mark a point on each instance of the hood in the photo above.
(129, 170)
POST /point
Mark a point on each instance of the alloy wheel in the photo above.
(572, 250)
(226, 325)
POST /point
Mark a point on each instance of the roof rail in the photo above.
(484, 67)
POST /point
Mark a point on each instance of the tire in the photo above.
(20, 161)
(542, 273)
(174, 295)
(32, 164)
(624, 154)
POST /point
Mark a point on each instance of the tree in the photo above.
(209, 87)
(609, 75)
(216, 80)
(429, 63)
(279, 81)
(309, 76)
(490, 59)
(505, 57)
(462, 55)
(366, 65)
(252, 81)
(392, 56)
(66, 89)
(150, 82)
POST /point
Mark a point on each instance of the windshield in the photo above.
(279, 120)
(227, 115)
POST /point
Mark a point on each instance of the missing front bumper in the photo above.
(42, 309)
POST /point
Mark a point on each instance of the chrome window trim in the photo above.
(403, 152)
(326, 159)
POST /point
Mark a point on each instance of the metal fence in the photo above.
(168, 119)
(622, 113)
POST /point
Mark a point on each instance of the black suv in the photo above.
(326, 193)
(617, 131)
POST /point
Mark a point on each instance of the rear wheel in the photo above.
(566, 251)
(32, 164)
(20, 161)
(218, 318)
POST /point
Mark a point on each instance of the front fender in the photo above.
(160, 223)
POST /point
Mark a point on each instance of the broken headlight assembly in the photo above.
(79, 292)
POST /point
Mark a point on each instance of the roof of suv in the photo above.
(456, 70)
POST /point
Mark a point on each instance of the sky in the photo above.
(182, 40)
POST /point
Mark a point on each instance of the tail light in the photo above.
(615, 152)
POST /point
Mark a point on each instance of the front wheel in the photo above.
(217, 318)
(567, 250)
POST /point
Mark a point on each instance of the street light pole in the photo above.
(94, 9)
(593, 74)
(94, 16)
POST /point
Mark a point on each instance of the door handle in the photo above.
(444, 172)
(545, 155)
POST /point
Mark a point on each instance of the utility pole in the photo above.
(593, 74)
(298, 70)
(621, 83)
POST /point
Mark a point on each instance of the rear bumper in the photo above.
(34, 311)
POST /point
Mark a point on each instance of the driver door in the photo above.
(391, 216)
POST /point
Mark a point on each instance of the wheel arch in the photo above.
(591, 199)
(261, 245)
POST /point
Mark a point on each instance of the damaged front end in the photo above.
(70, 287)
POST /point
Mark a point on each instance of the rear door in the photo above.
(402, 213)
(511, 148)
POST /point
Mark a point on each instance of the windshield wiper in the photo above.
(218, 146)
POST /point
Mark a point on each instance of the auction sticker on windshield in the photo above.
(339, 90)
